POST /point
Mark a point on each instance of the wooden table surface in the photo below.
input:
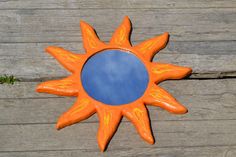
(202, 36)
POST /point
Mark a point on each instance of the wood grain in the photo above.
(83, 136)
(205, 99)
(27, 124)
(27, 50)
(137, 4)
(203, 57)
(34, 25)
(203, 36)
(201, 151)
(204, 46)
(37, 69)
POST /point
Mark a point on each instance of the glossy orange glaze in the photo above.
(110, 116)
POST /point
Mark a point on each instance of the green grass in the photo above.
(8, 79)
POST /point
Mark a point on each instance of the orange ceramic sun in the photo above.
(110, 115)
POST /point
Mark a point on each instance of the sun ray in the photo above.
(114, 80)
(64, 87)
(122, 34)
(161, 98)
(81, 110)
(162, 71)
(68, 59)
(150, 47)
(109, 119)
(138, 115)
(91, 41)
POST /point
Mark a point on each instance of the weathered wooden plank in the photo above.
(26, 50)
(207, 151)
(39, 68)
(48, 25)
(206, 100)
(26, 120)
(81, 4)
(83, 136)
(63, 25)
(48, 110)
(179, 87)
(203, 57)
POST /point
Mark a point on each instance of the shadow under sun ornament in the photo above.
(114, 80)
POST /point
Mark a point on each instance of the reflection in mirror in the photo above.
(114, 77)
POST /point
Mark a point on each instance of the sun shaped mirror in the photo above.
(114, 79)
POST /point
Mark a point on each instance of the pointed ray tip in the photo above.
(102, 147)
(58, 127)
(52, 48)
(184, 110)
(39, 88)
(127, 18)
(84, 24)
(165, 38)
(166, 34)
(189, 70)
(152, 142)
(61, 123)
(186, 71)
(127, 21)
(150, 139)
(181, 110)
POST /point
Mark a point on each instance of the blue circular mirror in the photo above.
(114, 77)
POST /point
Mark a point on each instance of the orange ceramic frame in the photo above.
(110, 116)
